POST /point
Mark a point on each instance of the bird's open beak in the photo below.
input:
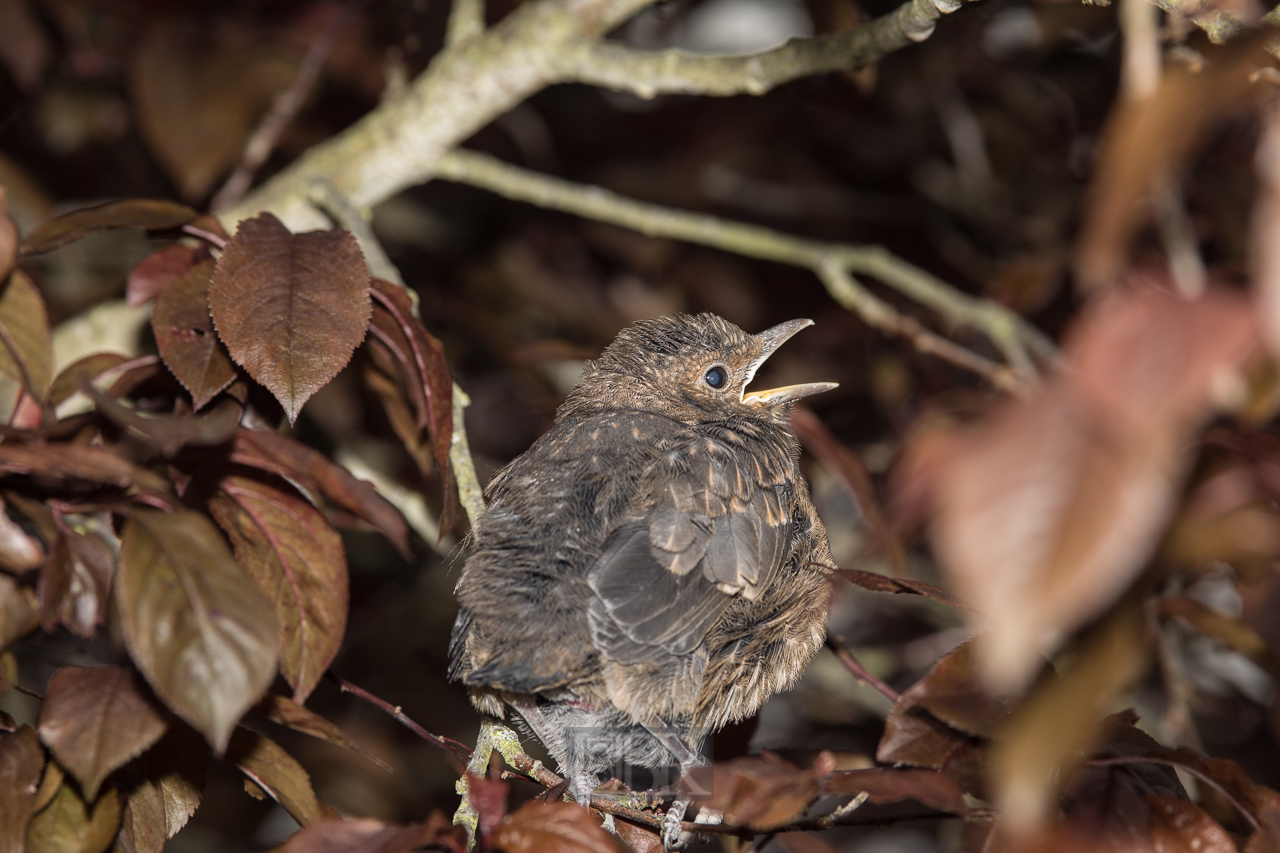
(772, 339)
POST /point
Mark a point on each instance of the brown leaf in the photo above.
(551, 828)
(26, 352)
(24, 47)
(1145, 143)
(1057, 723)
(915, 738)
(196, 105)
(8, 232)
(928, 787)
(152, 275)
(72, 378)
(366, 835)
(270, 451)
(196, 625)
(76, 580)
(186, 339)
(74, 462)
(21, 760)
(19, 552)
(899, 586)
(952, 692)
(1267, 838)
(69, 825)
(145, 213)
(19, 611)
(640, 839)
(287, 546)
(1050, 508)
(94, 719)
(291, 308)
(761, 793)
(1179, 826)
(171, 433)
(276, 772)
(420, 361)
(287, 712)
(162, 789)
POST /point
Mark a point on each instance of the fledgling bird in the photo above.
(652, 568)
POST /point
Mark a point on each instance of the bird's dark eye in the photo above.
(716, 377)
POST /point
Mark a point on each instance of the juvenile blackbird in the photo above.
(652, 568)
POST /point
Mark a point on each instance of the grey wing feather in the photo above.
(711, 533)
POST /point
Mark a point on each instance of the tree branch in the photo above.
(834, 263)
(650, 73)
(468, 84)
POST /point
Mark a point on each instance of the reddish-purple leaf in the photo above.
(1180, 825)
(76, 462)
(19, 611)
(67, 823)
(560, 827)
(430, 370)
(366, 835)
(194, 104)
(72, 378)
(953, 693)
(146, 213)
(186, 339)
(19, 551)
(287, 546)
(94, 719)
(8, 237)
(1048, 510)
(21, 760)
(76, 580)
(898, 586)
(195, 624)
(881, 786)
(291, 308)
(164, 786)
(26, 352)
(270, 451)
(762, 793)
(286, 712)
(913, 737)
(277, 773)
(157, 271)
(169, 434)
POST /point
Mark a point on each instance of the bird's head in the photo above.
(692, 368)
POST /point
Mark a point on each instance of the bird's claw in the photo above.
(672, 832)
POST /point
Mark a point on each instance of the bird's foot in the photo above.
(673, 835)
(609, 824)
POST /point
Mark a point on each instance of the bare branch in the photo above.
(466, 19)
(467, 85)
(648, 73)
(834, 263)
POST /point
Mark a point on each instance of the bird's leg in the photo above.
(687, 760)
(581, 782)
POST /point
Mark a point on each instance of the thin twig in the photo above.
(860, 672)
(449, 745)
(283, 109)
(834, 263)
(649, 73)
